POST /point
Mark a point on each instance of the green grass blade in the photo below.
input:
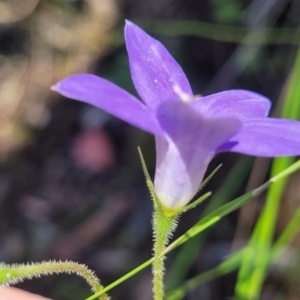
(227, 266)
(288, 234)
(234, 260)
(217, 215)
(122, 279)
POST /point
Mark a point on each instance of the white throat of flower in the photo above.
(182, 95)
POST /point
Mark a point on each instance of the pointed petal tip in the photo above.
(131, 27)
(55, 87)
(128, 22)
(153, 70)
(106, 95)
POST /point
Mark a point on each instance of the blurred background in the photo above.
(71, 184)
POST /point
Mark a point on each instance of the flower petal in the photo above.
(266, 137)
(238, 103)
(154, 71)
(182, 157)
(99, 92)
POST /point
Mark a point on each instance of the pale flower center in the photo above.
(182, 95)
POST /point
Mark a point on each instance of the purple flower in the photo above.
(188, 131)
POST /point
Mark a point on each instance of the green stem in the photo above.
(163, 225)
(13, 274)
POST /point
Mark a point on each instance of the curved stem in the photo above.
(12, 274)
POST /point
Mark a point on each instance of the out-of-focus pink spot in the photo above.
(10, 293)
(93, 151)
(34, 208)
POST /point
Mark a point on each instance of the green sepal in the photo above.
(149, 183)
(209, 177)
(194, 203)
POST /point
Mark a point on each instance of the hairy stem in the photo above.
(163, 225)
(12, 274)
